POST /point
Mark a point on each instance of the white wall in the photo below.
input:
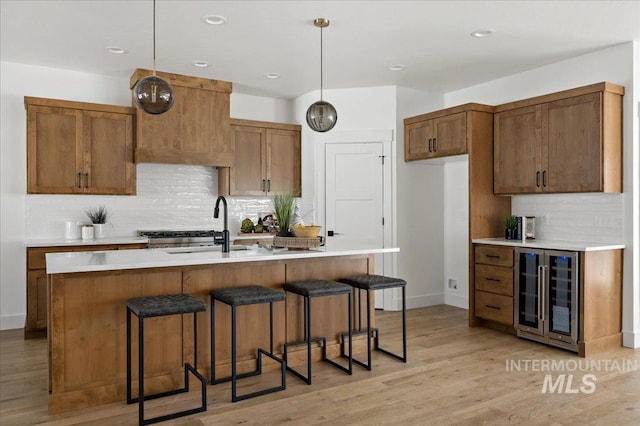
(168, 196)
(576, 217)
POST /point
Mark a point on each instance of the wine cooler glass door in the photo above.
(562, 295)
(529, 314)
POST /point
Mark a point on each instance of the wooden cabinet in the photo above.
(442, 136)
(194, 131)
(565, 142)
(79, 148)
(267, 159)
(494, 283)
(36, 321)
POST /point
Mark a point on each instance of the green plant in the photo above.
(510, 222)
(97, 215)
(283, 205)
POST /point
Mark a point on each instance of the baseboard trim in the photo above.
(631, 339)
(456, 300)
(10, 322)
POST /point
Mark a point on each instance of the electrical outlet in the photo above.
(453, 284)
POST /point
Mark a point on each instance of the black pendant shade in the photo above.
(153, 95)
(321, 116)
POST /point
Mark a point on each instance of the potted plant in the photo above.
(510, 225)
(98, 217)
(283, 206)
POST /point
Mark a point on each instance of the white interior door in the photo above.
(354, 198)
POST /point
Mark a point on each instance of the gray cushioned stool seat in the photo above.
(314, 288)
(373, 282)
(170, 304)
(249, 295)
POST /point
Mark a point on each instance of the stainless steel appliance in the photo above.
(546, 302)
(191, 238)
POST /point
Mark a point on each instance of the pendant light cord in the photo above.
(321, 64)
(154, 38)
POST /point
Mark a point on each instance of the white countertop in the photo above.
(61, 242)
(59, 263)
(549, 244)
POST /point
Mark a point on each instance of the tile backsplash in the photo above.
(574, 217)
(168, 197)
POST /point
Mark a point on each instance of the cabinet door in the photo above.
(517, 151)
(108, 153)
(248, 175)
(418, 140)
(54, 150)
(194, 131)
(572, 156)
(450, 135)
(36, 300)
(283, 161)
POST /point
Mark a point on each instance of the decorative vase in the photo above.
(99, 230)
(510, 234)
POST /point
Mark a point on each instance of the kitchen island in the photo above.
(88, 291)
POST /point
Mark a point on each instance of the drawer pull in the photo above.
(493, 307)
(492, 279)
(493, 256)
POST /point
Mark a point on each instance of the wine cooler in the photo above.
(546, 303)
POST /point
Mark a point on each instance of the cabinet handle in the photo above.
(430, 144)
(79, 180)
(86, 180)
(538, 179)
(268, 185)
(493, 307)
(492, 279)
(544, 178)
(264, 185)
(435, 144)
(493, 256)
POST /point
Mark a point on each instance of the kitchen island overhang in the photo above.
(87, 294)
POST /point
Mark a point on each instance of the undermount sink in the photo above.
(188, 250)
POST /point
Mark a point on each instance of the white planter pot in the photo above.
(99, 230)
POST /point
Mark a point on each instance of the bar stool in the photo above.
(310, 289)
(371, 283)
(242, 296)
(160, 306)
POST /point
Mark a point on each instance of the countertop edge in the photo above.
(550, 244)
(61, 242)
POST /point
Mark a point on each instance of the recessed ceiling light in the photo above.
(115, 50)
(397, 67)
(483, 33)
(272, 75)
(214, 19)
(200, 64)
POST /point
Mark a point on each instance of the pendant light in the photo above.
(321, 115)
(153, 94)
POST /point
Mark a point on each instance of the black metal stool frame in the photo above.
(374, 332)
(234, 376)
(322, 340)
(188, 368)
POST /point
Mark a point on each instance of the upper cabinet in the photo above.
(79, 148)
(569, 141)
(435, 135)
(267, 159)
(194, 131)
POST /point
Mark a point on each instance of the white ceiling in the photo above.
(430, 37)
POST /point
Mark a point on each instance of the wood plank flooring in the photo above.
(455, 375)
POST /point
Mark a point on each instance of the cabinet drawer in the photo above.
(494, 307)
(36, 256)
(494, 279)
(494, 255)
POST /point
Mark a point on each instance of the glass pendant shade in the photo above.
(153, 95)
(321, 116)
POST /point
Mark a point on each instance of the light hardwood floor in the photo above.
(455, 375)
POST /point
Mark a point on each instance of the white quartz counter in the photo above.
(549, 244)
(61, 242)
(59, 263)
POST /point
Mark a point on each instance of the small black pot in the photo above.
(285, 234)
(510, 234)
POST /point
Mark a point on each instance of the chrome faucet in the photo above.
(225, 231)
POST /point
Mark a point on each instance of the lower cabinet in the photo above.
(494, 283)
(36, 321)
